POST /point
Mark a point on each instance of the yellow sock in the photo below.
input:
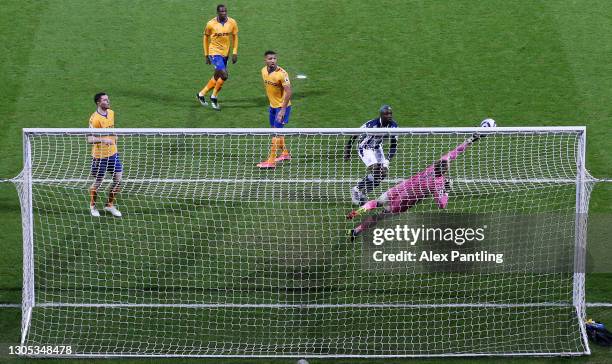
(273, 149)
(211, 83)
(283, 146)
(218, 86)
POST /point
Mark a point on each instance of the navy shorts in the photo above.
(112, 164)
(219, 62)
(274, 112)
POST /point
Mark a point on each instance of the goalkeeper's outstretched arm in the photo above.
(453, 154)
(441, 167)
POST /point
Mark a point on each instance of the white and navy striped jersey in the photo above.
(376, 141)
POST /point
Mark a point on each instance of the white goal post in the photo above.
(215, 257)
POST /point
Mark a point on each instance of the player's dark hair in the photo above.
(269, 53)
(98, 96)
(220, 6)
(385, 108)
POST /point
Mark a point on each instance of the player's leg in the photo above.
(375, 173)
(98, 169)
(390, 209)
(379, 170)
(381, 201)
(201, 96)
(112, 195)
(369, 222)
(285, 155)
(221, 76)
(116, 169)
(357, 195)
(209, 86)
(277, 141)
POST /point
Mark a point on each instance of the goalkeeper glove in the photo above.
(475, 137)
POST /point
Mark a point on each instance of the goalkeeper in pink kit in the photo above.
(431, 181)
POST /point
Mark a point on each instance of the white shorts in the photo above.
(373, 156)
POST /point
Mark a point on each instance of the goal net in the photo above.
(214, 256)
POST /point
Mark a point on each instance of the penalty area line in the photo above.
(599, 304)
(17, 305)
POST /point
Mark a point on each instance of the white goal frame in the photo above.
(26, 180)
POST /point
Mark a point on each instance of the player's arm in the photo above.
(96, 140)
(453, 154)
(235, 44)
(348, 147)
(287, 93)
(441, 194)
(206, 43)
(92, 139)
(393, 146)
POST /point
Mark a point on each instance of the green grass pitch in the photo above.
(438, 63)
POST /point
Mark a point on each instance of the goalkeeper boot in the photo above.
(353, 235)
(94, 211)
(215, 103)
(370, 205)
(113, 210)
(202, 100)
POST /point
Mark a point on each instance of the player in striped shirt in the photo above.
(430, 182)
(371, 152)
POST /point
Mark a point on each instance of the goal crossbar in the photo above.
(302, 131)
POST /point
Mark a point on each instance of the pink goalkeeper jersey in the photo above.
(409, 192)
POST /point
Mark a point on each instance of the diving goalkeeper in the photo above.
(431, 181)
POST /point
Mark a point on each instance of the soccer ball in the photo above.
(488, 123)
(302, 361)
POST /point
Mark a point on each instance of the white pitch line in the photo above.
(599, 304)
(314, 305)
(17, 305)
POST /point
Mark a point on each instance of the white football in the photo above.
(302, 361)
(488, 123)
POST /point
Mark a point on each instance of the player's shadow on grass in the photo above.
(244, 102)
(160, 97)
(262, 101)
